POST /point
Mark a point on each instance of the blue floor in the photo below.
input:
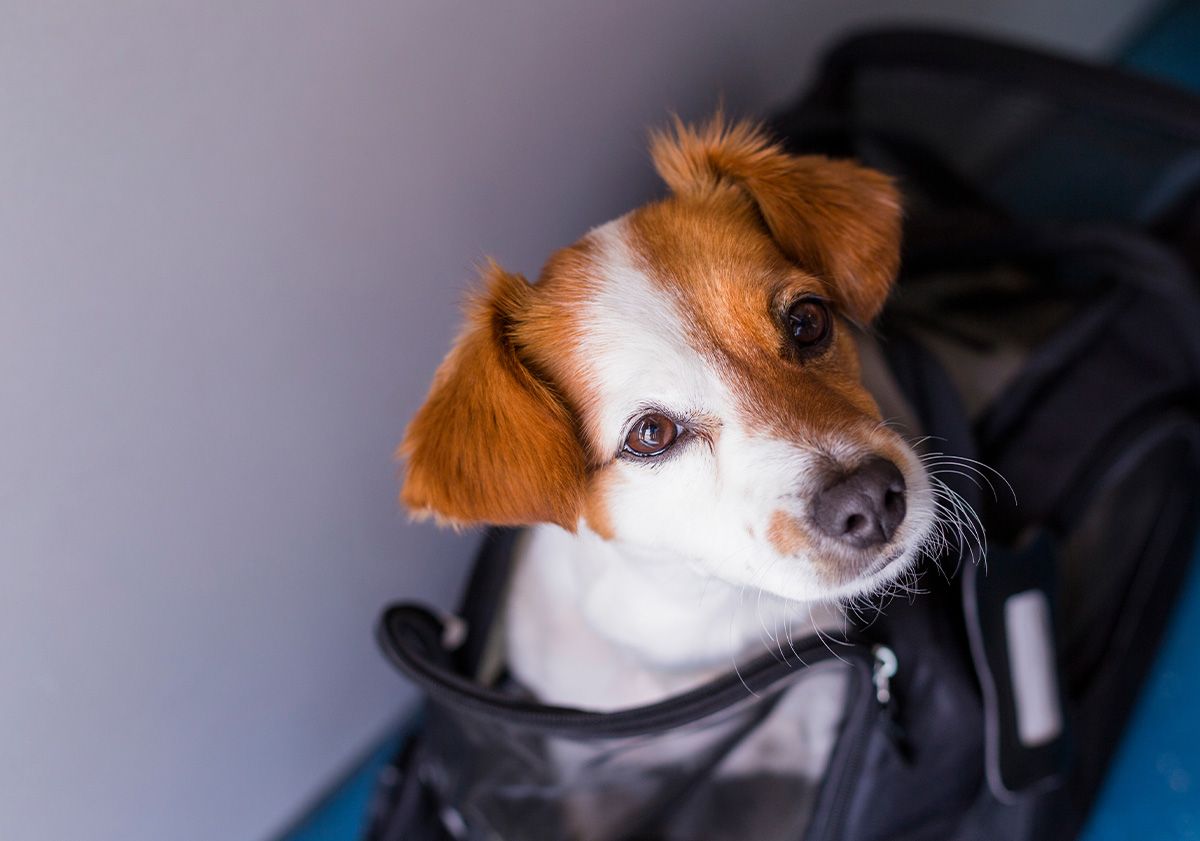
(342, 814)
(1153, 791)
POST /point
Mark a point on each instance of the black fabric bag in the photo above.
(1046, 324)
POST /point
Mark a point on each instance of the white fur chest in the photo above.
(590, 624)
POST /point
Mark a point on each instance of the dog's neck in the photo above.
(600, 625)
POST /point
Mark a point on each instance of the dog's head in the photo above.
(685, 380)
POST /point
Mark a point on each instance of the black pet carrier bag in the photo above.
(1046, 324)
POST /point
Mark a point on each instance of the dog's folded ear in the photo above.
(493, 443)
(833, 217)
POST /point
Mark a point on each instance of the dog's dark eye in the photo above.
(652, 435)
(810, 323)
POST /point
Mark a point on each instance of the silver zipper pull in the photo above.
(883, 672)
(886, 665)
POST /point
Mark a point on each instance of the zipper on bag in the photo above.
(884, 668)
(876, 707)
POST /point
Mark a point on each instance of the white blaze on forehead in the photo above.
(635, 343)
(709, 504)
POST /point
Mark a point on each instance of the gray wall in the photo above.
(232, 239)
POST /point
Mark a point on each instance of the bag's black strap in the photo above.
(414, 641)
(481, 599)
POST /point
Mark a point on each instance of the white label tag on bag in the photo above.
(1032, 667)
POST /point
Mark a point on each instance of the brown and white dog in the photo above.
(676, 406)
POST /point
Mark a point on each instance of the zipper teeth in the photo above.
(401, 624)
(857, 731)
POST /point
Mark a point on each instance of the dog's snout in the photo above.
(863, 508)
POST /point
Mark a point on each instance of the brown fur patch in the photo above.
(493, 443)
(595, 506)
(832, 217)
(550, 334)
(786, 534)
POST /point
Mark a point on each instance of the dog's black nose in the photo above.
(863, 508)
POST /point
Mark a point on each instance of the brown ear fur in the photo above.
(833, 217)
(493, 443)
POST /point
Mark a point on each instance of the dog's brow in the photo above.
(787, 289)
